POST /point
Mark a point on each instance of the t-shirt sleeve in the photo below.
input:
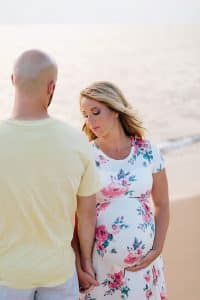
(90, 181)
(158, 163)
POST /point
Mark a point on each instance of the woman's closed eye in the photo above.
(94, 112)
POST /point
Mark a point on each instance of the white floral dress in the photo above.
(125, 226)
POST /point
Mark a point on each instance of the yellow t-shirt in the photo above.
(44, 165)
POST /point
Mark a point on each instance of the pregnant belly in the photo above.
(123, 236)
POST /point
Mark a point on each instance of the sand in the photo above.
(182, 249)
(182, 246)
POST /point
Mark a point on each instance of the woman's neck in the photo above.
(115, 143)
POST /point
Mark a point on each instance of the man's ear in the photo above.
(51, 87)
(13, 79)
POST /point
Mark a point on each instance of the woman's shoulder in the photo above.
(141, 142)
(151, 152)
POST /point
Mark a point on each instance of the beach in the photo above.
(182, 245)
(158, 69)
(181, 251)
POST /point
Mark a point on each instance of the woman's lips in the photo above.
(95, 128)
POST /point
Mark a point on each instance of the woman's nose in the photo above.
(91, 119)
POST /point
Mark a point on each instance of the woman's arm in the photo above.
(86, 281)
(86, 223)
(160, 199)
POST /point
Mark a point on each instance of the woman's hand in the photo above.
(86, 276)
(86, 281)
(145, 261)
(161, 211)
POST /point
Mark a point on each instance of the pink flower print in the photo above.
(100, 246)
(114, 189)
(102, 206)
(147, 277)
(158, 272)
(163, 296)
(139, 252)
(124, 182)
(117, 280)
(143, 143)
(136, 149)
(147, 216)
(119, 225)
(115, 228)
(143, 197)
(134, 252)
(155, 276)
(101, 233)
(131, 259)
(115, 283)
(103, 239)
(118, 277)
(102, 159)
(149, 293)
(140, 143)
(146, 212)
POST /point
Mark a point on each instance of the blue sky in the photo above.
(100, 11)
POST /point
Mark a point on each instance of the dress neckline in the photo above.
(114, 159)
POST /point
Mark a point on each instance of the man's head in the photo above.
(34, 75)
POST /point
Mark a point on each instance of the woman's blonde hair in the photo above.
(110, 95)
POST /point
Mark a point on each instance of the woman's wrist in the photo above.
(157, 249)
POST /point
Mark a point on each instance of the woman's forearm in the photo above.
(86, 235)
(161, 226)
(86, 223)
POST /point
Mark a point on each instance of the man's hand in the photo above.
(86, 281)
(145, 261)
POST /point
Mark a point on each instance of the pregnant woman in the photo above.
(133, 204)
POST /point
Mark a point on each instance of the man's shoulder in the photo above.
(71, 131)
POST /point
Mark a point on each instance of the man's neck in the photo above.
(29, 110)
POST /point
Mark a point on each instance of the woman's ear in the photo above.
(116, 114)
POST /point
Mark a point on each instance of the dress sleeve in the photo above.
(158, 163)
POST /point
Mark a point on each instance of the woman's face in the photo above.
(100, 119)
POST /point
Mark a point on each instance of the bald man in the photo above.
(46, 171)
